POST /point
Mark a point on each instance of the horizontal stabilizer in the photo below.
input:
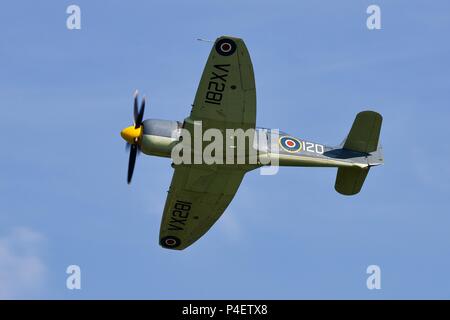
(349, 181)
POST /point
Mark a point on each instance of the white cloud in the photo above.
(22, 271)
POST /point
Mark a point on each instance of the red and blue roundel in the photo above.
(290, 144)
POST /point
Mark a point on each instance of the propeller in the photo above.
(132, 134)
(131, 162)
(138, 115)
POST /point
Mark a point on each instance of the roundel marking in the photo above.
(225, 47)
(290, 144)
(170, 242)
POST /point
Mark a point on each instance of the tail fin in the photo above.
(363, 138)
(365, 132)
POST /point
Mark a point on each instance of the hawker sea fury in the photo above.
(209, 158)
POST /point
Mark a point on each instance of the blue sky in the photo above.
(65, 96)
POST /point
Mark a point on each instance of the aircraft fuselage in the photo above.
(160, 136)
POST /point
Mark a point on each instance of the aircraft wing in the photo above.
(197, 197)
(225, 99)
(226, 96)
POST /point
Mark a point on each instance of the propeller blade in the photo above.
(131, 162)
(141, 114)
(135, 109)
(127, 146)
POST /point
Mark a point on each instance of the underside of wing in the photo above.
(197, 197)
(225, 99)
(226, 96)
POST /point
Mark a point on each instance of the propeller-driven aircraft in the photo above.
(226, 100)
